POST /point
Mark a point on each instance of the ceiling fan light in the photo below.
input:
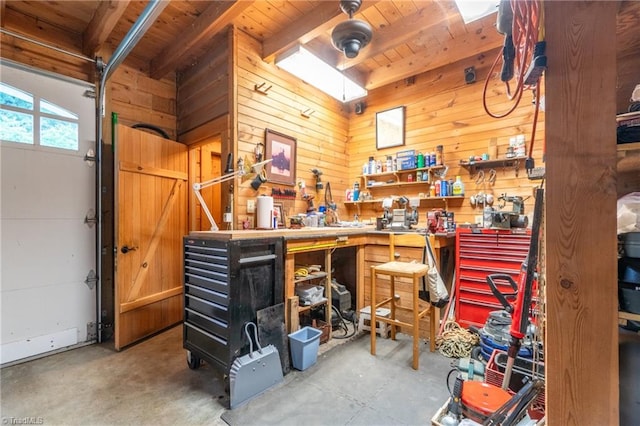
(350, 36)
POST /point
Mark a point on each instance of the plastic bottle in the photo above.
(356, 191)
(379, 166)
(420, 160)
(438, 187)
(389, 164)
(444, 185)
(372, 165)
(458, 187)
(432, 191)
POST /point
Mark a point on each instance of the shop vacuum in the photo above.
(495, 335)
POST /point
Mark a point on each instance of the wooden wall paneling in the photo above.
(321, 138)
(204, 90)
(31, 54)
(442, 110)
(581, 252)
(139, 99)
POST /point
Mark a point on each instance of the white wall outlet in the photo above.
(251, 206)
(227, 218)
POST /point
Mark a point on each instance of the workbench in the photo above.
(324, 241)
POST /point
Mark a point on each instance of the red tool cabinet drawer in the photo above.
(482, 252)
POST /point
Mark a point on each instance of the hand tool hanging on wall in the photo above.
(332, 208)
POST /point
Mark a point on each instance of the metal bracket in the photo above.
(90, 157)
(90, 219)
(92, 331)
(91, 279)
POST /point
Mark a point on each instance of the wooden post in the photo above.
(581, 349)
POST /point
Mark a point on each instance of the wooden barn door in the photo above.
(151, 220)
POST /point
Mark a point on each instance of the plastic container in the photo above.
(458, 187)
(304, 345)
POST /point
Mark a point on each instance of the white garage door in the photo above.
(47, 126)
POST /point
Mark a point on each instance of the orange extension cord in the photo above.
(527, 30)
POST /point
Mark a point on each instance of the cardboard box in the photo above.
(406, 160)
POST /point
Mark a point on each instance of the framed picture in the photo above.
(281, 149)
(390, 128)
(278, 210)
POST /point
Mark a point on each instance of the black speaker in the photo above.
(470, 75)
(359, 107)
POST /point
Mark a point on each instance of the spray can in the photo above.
(444, 186)
(356, 191)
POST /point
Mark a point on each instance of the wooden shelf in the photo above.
(310, 277)
(313, 305)
(379, 200)
(472, 166)
(402, 172)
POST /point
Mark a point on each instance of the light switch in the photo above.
(251, 206)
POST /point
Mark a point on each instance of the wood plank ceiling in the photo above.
(409, 36)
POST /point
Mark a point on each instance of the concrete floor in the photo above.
(150, 383)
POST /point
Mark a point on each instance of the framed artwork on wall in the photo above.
(390, 128)
(281, 150)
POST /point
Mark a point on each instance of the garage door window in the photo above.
(50, 125)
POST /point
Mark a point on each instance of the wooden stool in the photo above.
(415, 271)
(364, 321)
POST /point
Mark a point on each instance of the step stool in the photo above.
(364, 322)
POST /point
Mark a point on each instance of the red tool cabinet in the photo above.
(481, 252)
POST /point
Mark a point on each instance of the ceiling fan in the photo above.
(353, 34)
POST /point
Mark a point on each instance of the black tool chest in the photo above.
(225, 283)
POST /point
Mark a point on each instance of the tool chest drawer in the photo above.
(225, 283)
(479, 253)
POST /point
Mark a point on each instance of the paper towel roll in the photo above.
(264, 212)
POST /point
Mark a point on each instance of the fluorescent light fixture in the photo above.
(472, 10)
(313, 70)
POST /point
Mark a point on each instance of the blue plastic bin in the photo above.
(304, 345)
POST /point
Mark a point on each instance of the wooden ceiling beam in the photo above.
(471, 44)
(425, 20)
(321, 19)
(214, 19)
(2, 4)
(103, 22)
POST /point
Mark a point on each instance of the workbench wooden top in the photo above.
(287, 233)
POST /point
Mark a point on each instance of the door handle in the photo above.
(127, 249)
